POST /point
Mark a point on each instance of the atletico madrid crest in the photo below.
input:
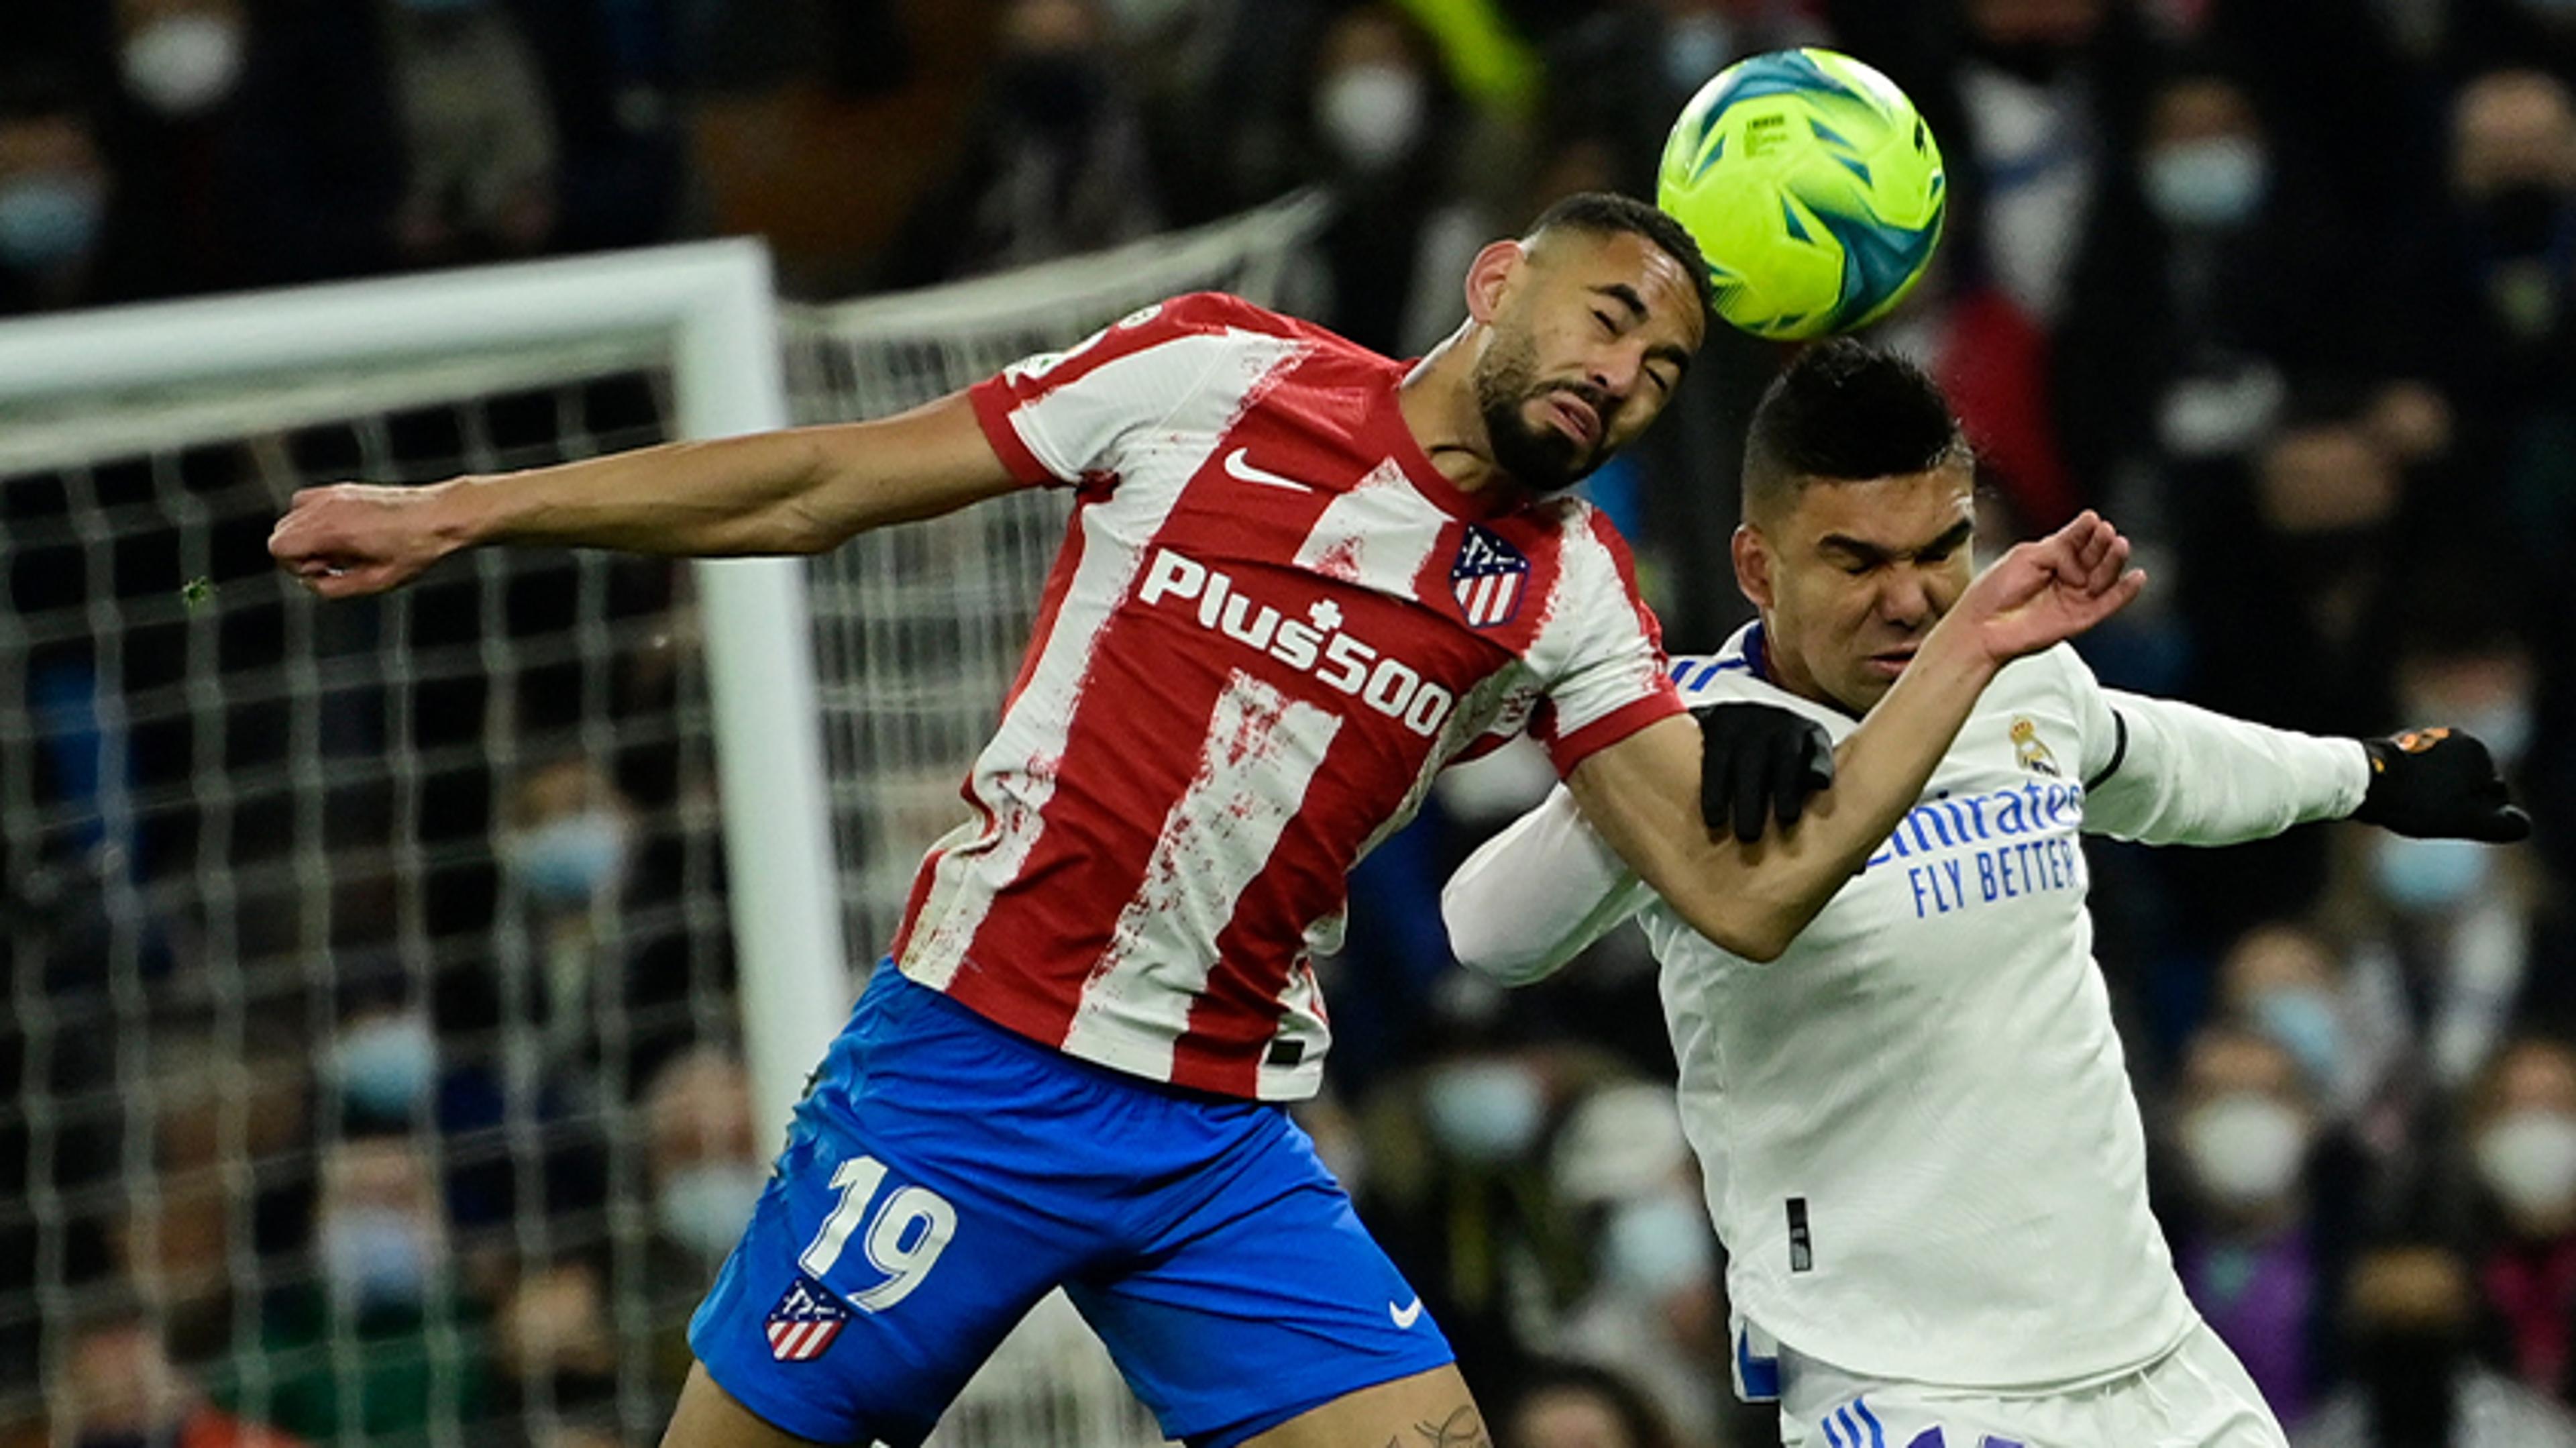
(1488, 578)
(805, 1321)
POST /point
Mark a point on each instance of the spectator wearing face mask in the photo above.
(2249, 1247)
(705, 1171)
(1458, 1188)
(2286, 983)
(565, 856)
(54, 195)
(383, 1065)
(384, 1342)
(2410, 1320)
(1654, 1309)
(2493, 294)
(2445, 942)
(2521, 1131)
(1382, 131)
(1054, 163)
(2220, 270)
(705, 1166)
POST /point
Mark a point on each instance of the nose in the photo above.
(1615, 371)
(1905, 598)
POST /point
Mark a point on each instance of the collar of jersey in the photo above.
(1755, 650)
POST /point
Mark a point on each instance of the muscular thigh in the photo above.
(1258, 1300)
(1427, 1410)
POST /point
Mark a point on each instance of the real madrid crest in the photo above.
(2031, 750)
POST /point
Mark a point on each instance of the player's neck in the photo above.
(1438, 401)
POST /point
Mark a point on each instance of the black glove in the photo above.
(1756, 760)
(2439, 784)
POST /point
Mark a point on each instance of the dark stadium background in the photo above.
(2285, 287)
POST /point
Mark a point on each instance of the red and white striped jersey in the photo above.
(1271, 623)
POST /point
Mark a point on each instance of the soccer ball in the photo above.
(1812, 186)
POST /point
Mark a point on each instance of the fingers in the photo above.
(2509, 825)
(2108, 568)
(1788, 782)
(1749, 772)
(2088, 538)
(2088, 553)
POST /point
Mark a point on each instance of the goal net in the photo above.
(347, 946)
(374, 1039)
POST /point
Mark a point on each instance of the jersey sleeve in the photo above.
(1536, 894)
(1063, 417)
(2169, 773)
(1609, 678)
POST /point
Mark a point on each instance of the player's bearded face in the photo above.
(1858, 574)
(1521, 415)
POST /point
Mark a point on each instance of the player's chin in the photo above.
(1864, 686)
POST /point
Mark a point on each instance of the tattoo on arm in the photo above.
(1463, 1428)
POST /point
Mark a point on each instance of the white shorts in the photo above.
(2196, 1396)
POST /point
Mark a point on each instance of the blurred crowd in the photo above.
(2286, 287)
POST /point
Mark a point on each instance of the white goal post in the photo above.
(712, 309)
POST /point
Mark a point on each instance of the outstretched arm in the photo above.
(2179, 775)
(798, 491)
(1642, 795)
(1532, 897)
(2173, 774)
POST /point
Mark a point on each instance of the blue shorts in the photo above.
(943, 1174)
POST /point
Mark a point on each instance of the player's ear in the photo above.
(1752, 564)
(1489, 273)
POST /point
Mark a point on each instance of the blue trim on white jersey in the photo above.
(1744, 653)
(1757, 1379)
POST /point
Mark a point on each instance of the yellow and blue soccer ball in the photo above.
(1812, 186)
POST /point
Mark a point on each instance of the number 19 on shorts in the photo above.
(903, 1240)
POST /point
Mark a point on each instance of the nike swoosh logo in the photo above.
(1237, 465)
(1405, 1316)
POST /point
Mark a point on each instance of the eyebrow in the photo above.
(1624, 293)
(1950, 539)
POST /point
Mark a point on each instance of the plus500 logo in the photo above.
(1319, 647)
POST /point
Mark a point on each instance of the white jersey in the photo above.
(1916, 1126)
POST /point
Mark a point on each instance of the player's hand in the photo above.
(353, 538)
(2439, 784)
(2051, 589)
(1757, 762)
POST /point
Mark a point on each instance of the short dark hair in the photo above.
(1845, 411)
(1607, 213)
